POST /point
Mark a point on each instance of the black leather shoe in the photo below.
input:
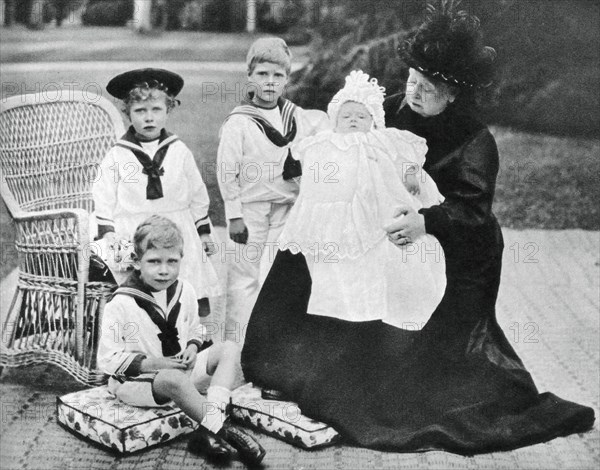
(208, 444)
(250, 451)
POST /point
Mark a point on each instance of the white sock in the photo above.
(217, 399)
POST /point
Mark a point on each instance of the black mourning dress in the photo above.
(457, 384)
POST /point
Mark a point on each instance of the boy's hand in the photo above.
(188, 358)
(151, 364)
(208, 245)
(238, 231)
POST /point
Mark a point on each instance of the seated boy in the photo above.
(152, 345)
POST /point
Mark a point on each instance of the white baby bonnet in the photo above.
(359, 88)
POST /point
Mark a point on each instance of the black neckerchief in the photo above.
(444, 133)
(152, 166)
(291, 167)
(142, 294)
(287, 110)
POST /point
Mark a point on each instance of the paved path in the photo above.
(548, 306)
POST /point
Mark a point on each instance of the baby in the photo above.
(355, 178)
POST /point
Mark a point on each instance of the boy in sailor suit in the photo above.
(153, 346)
(256, 172)
(151, 171)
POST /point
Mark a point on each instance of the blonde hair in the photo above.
(156, 232)
(273, 50)
(148, 91)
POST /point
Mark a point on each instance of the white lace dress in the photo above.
(350, 188)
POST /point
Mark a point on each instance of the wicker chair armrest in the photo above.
(60, 237)
(79, 214)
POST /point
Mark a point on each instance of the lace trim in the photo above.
(391, 141)
(351, 229)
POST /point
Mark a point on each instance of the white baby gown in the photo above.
(351, 186)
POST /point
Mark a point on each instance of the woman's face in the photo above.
(425, 96)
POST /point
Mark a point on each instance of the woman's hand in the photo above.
(238, 231)
(150, 364)
(406, 227)
(188, 358)
(208, 245)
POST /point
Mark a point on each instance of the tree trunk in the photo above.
(250, 15)
(142, 16)
(8, 12)
(36, 14)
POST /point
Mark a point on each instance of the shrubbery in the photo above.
(107, 12)
(277, 17)
(213, 15)
(547, 58)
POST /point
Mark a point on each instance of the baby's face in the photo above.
(353, 117)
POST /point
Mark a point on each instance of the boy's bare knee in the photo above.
(171, 378)
(226, 349)
(230, 351)
(231, 347)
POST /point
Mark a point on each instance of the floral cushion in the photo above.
(98, 415)
(280, 419)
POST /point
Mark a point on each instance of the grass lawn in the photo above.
(92, 43)
(544, 182)
(547, 182)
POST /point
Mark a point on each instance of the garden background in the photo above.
(545, 109)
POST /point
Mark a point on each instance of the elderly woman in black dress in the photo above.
(447, 73)
(457, 384)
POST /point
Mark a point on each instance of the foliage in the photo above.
(192, 16)
(107, 13)
(547, 57)
(277, 17)
(297, 36)
(222, 15)
(174, 10)
(213, 15)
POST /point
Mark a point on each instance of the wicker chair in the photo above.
(49, 156)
